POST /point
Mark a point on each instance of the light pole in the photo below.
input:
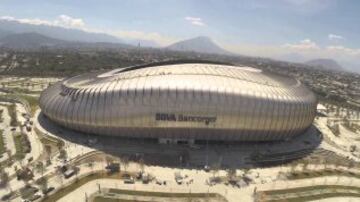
(99, 189)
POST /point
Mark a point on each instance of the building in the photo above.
(182, 103)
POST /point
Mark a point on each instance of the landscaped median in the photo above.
(22, 145)
(308, 193)
(2, 143)
(31, 101)
(321, 173)
(121, 195)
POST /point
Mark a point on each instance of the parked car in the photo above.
(159, 182)
(35, 197)
(48, 190)
(129, 181)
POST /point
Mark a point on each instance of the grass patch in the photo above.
(321, 173)
(24, 91)
(52, 140)
(27, 192)
(161, 194)
(106, 199)
(310, 188)
(320, 196)
(309, 193)
(13, 116)
(1, 115)
(22, 145)
(2, 143)
(33, 101)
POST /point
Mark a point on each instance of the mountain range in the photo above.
(29, 36)
(29, 41)
(316, 63)
(325, 63)
(34, 41)
(8, 27)
(18, 35)
(13, 27)
(199, 44)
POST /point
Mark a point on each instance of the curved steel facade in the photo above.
(183, 101)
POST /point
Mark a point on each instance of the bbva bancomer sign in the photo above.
(185, 118)
(190, 100)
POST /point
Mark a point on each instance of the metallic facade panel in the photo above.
(195, 101)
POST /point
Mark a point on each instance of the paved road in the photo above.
(36, 145)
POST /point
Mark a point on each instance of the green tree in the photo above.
(125, 161)
(231, 173)
(141, 165)
(4, 180)
(42, 182)
(63, 154)
(40, 168)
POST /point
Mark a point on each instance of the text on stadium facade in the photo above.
(184, 118)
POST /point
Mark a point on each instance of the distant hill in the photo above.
(292, 57)
(326, 64)
(4, 33)
(199, 44)
(32, 41)
(57, 32)
(29, 41)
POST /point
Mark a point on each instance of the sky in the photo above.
(303, 29)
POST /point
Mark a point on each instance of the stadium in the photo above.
(182, 103)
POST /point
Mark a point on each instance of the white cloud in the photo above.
(305, 44)
(33, 21)
(342, 49)
(62, 21)
(195, 21)
(67, 21)
(335, 37)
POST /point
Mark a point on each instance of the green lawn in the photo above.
(160, 194)
(13, 116)
(321, 173)
(24, 90)
(2, 143)
(51, 140)
(315, 193)
(315, 197)
(310, 188)
(20, 153)
(105, 199)
(33, 101)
